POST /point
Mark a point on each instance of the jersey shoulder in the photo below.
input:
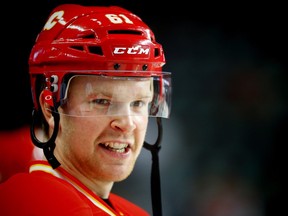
(32, 193)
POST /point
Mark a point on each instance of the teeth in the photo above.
(118, 147)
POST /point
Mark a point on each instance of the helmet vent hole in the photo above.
(156, 52)
(81, 48)
(133, 32)
(95, 50)
(89, 36)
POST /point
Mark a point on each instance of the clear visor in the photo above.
(96, 95)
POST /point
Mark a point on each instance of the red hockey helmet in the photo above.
(103, 41)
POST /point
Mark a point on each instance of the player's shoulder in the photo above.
(37, 183)
(126, 206)
(35, 191)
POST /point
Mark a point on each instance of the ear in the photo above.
(46, 104)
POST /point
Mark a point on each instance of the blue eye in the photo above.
(101, 101)
(138, 103)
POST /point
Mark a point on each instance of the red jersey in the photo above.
(16, 151)
(47, 191)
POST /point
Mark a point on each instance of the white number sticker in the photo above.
(118, 19)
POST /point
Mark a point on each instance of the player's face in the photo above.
(102, 126)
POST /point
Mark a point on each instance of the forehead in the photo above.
(89, 84)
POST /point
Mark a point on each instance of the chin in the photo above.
(120, 177)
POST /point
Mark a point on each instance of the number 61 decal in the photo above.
(118, 19)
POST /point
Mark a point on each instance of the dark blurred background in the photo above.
(223, 147)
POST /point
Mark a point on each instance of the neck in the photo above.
(100, 187)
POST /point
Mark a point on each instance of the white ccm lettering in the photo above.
(131, 50)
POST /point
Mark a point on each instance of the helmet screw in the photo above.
(116, 66)
(144, 67)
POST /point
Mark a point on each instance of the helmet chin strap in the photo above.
(155, 172)
(49, 146)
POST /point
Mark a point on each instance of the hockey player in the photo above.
(96, 79)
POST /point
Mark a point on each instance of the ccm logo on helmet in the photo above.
(137, 50)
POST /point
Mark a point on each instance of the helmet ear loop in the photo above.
(48, 146)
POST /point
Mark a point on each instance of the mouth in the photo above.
(115, 147)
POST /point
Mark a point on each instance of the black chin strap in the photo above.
(49, 146)
(155, 172)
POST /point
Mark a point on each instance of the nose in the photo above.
(124, 123)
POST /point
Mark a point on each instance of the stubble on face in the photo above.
(80, 149)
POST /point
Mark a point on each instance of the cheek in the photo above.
(76, 129)
(141, 122)
(77, 137)
(141, 125)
